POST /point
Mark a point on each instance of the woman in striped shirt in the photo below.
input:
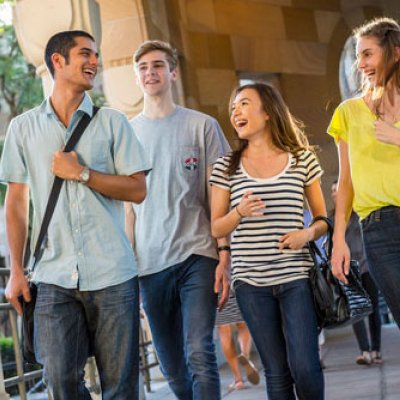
(258, 195)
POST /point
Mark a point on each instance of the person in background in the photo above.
(227, 320)
(370, 348)
(367, 131)
(258, 197)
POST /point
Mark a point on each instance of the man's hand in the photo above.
(17, 286)
(222, 279)
(66, 165)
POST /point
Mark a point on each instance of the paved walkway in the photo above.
(345, 380)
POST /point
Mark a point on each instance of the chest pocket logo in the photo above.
(191, 163)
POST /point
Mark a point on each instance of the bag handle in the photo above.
(328, 243)
(56, 188)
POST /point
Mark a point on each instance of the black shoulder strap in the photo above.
(56, 188)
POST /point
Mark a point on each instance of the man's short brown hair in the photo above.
(151, 45)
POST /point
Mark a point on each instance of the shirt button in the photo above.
(76, 230)
(79, 253)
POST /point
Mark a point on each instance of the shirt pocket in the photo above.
(96, 155)
(187, 163)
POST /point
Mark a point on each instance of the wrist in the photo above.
(224, 248)
(310, 234)
(238, 212)
(84, 175)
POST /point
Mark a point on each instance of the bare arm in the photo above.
(222, 272)
(223, 221)
(298, 239)
(17, 215)
(119, 187)
(130, 223)
(344, 200)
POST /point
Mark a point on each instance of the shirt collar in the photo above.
(86, 106)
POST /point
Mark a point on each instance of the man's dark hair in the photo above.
(62, 43)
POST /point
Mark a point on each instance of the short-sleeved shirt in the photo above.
(87, 245)
(173, 222)
(256, 257)
(374, 165)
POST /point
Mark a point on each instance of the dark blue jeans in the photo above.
(381, 231)
(180, 305)
(69, 322)
(374, 319)
(282, 322)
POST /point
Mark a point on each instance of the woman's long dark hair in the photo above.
(287, 132)
(387, 32)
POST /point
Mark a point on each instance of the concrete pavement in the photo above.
(344, 379)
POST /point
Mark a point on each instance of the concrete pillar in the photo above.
(124, 28)
(35, 21)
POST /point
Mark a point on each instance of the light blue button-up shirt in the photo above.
(87, 246)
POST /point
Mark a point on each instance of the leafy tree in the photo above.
(20, 88)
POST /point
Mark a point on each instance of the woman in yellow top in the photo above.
(367, 130)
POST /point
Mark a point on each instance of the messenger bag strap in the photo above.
(56, 188)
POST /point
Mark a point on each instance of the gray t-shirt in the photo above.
(174, 220)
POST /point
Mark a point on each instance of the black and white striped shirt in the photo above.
(256, 258)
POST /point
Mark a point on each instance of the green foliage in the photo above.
(20, 88)
(3, 189)
(7, 348)
(98, 98)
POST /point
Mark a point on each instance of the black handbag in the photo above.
(28, 308)
(336, 304)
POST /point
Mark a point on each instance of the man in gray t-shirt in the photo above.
(180, 270)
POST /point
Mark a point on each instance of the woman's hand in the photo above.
(250, 205)
(387, 133)
(296, 240)
(340, 260)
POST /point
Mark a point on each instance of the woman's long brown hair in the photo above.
(287, 131)
(387, 32)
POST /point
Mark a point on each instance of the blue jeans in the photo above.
(381, 231)
(282, 322)
(180, 305)
(69, 322)
(374, 319)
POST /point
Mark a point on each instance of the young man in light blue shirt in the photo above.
(180, 268)
(87, 276)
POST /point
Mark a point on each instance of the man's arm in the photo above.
(17, 216)
(130, 188)
(222, 272)
(130, 223)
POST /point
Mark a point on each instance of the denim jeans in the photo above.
(374, 319)
(381, 232)
(180, 304)
(69, 322)
(282, 322)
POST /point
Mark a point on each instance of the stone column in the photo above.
(35, 21)
(124, 28)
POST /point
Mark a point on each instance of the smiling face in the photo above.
(153, 72)
(369, 59)
(80, 68)
(247, 114)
